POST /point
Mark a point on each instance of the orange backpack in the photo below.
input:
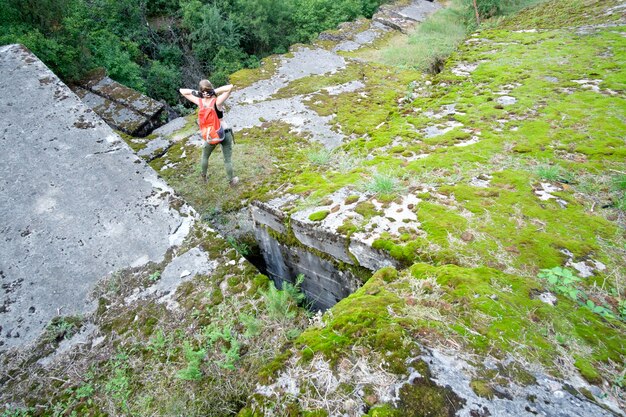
(210, 126)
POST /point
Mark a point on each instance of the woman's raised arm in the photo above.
(187, 93)
(223, 93)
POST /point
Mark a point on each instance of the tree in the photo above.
(162, 80)
(209, 32)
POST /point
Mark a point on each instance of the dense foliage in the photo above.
(157, 46)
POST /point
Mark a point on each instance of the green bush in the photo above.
(159, 81)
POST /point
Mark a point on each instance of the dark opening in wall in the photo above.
(324, 285)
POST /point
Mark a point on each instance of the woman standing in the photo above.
(212, 129)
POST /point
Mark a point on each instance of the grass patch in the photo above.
(618, 182)
(554, 173)
(320, 157)
(431, 43)
(384, 184)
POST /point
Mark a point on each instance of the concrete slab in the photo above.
(304, 62)
(405, 18)
(116, 115)
(419, 10)
(121, 107)
(75, 202)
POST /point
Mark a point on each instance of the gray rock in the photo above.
(506, 100)
(419, 10)
(291, 111)
(403, 19)
(181, 269)
(347, 46)
(171, 127)
(324, 284)
(155, 148)
(116, 115)
(304, 62)
(544, 398)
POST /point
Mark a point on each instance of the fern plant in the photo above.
(194, 358)
(280, 303)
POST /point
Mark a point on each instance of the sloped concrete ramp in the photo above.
(75, 202)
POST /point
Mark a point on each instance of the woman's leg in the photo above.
(206, 152)
(227, 148)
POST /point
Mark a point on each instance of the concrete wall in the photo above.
(324, 284)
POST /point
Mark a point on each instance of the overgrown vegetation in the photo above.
(564, 281)
(489, 244)
(157, 46)
(427, 48)
(200, 361)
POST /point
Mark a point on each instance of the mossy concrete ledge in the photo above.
(121, 107)
(286, 255)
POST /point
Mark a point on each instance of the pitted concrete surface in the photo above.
(171, 127)
(548, 397)
(114, 113)
(365, 37)
(292, 111)
(126, 96)
(306, 61)
(181, 269)
(251, 106)
(404, 18)
(419, 10)
(75, 202)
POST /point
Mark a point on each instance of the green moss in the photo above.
(482, 388)
(351, 199)
(315, 83)
(233, 281)
(319, 215)
(498, 318)
(424, 397)
(384, 410)
(438, 221)
(387, 274)
(260, 282)
(247, 77)
(559, 13)
(367, 209)
(271, 370)
(136, 144)
(587, 370)
(362, 318)
(347, 228)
